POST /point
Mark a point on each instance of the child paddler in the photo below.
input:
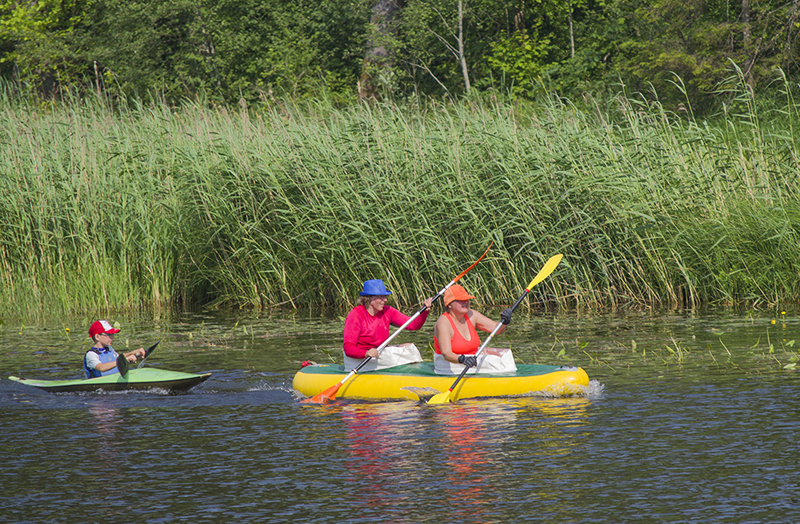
(101, 359)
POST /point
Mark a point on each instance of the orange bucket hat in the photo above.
(455, 292)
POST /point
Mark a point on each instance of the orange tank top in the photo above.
(459, 344)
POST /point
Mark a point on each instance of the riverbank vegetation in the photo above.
(258, 51)
(128, 205)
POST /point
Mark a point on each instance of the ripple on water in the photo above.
(704, 434)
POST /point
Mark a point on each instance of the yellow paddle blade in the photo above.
(548, 268)
(441, 398)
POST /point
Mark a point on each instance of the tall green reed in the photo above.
(82, 211)
(116, 208)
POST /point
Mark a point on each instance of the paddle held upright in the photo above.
(548, 268)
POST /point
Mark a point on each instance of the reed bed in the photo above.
(766, 356)
(107, 208)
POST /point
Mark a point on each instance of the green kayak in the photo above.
(144, 378)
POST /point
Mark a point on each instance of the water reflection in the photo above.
(376, 437)
(471, 435)
(688, 430)
(104, 461)
(397, 449)
(465, 455)
(106, 420)
(551, 435)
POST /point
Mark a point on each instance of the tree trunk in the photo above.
(461, 56)
(747, 42)
(571, 34)
(380, 49)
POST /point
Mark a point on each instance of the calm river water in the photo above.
(690, 417)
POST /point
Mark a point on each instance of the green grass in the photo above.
(118, 208)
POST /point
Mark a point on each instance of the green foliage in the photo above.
(698, 40)
(289, 47)
(228, 50)
(520, 56)
(263, 50)
(82, 202)
(500, 37)
(155, 47)
(37, 39)
(590, 71)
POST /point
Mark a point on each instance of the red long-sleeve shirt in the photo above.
(363, 332)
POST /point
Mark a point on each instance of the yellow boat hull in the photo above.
(408, 382)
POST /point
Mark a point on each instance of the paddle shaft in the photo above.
(147, 353)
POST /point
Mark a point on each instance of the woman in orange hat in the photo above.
(101, 359)
(456, 341)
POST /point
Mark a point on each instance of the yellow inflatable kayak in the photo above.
(417, 381)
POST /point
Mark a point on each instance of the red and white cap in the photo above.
(102, 326)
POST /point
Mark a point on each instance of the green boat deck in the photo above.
(140, 379)
(425, 369)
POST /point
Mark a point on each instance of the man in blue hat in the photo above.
(367, 327)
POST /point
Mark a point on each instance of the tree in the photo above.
(697, 40)
(37, 45)
(482, 36)
(378, 68)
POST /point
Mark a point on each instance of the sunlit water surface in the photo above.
(690, 417)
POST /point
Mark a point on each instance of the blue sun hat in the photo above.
(374, 287)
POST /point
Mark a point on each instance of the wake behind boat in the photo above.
(135, 379)
(416, 381)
